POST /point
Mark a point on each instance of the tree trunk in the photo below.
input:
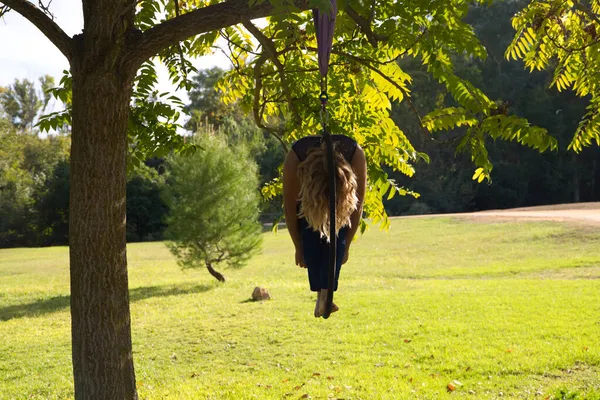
(101, 326)
(215, 273)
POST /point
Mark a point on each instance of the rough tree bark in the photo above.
(101, 327)
(101, 323)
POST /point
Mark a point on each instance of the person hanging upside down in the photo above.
(306, 204)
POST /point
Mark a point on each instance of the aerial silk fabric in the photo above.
(324, 26)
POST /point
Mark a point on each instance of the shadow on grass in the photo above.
(59, 303)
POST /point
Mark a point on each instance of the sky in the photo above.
(26, 53)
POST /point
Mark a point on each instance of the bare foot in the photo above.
(322, 302)
(319, 312)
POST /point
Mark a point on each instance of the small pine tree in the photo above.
(214, 200)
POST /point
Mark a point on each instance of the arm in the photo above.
(359, 165)
(291, 190)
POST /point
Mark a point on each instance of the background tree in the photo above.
(27, 168)
(146, 210)
(206, 107)
(23, 102)
(214, 206)
(51, 205)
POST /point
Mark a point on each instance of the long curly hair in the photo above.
(314, 190)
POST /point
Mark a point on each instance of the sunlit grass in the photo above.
(506, 309)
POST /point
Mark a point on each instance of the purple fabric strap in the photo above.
(324, 25)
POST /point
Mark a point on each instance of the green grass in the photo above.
(506, 309)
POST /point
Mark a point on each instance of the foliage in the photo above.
(473, 302)
(213, 200)
(51, 204)
(153, 120)
(22, 102)
(205, 105)
(523, 177)
(27, 165)
(59, 121)
(564, 36)
(274, 77)
(146, 209)
(209, 112)
(34, 193)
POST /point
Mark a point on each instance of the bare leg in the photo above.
(317, 306)
(322, 302)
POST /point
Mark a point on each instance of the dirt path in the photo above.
(587, 213)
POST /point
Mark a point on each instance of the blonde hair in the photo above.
(313, 177)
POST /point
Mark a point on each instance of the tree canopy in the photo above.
(22, 102)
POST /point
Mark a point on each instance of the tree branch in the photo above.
(202, 20)
(271, 51)
(45, 24)
(256, 112)
(365, 26)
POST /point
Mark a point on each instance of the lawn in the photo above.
(506, 309)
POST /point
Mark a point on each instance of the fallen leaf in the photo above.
(451, 387)
(330, 378)
(285, 380)
(305, 396)
(411, 379)
(407, 340)
(509, 350)
(316, 374)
